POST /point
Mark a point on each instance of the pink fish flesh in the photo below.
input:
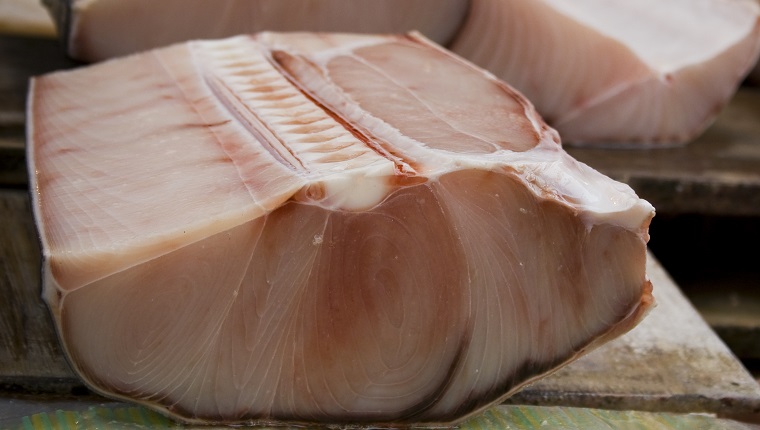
(320, 228)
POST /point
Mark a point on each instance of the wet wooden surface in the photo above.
(672, 362)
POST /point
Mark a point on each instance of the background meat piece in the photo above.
(648, 73)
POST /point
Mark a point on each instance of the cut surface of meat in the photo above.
(320, 228)
(94, 30)
(615, 73)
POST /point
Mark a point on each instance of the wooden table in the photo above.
(672, 362)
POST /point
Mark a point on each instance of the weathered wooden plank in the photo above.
(21, 58)
(705, 257)
(26, 18)
(13, 171)
(30, 356)
(733, 311)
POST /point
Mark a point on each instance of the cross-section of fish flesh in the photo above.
(94, 30)
(612, 72)
(320, 228)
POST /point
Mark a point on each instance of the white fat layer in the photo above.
(597, 198)
(552, 174)
(359, 189)
(687, 31)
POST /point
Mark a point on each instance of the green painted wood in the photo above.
(121, 417)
